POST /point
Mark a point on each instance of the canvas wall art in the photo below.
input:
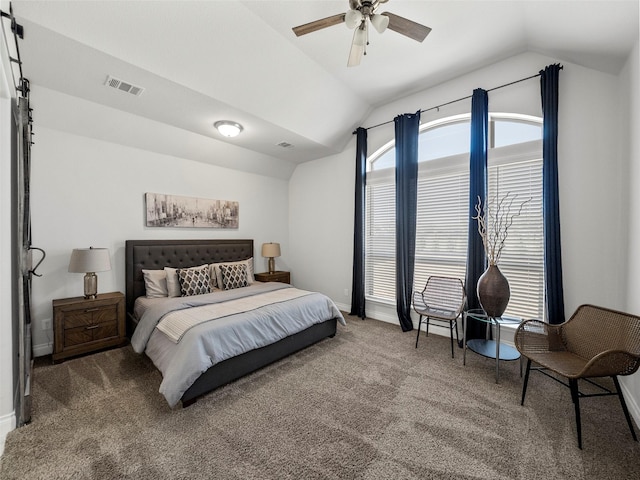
(164, 210)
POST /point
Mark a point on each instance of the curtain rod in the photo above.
(437, 107)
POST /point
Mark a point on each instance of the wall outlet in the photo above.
(346, 292)
(46, 325)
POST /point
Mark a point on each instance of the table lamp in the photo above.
(271, 250)
(88, 261)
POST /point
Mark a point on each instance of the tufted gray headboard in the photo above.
(157, 254)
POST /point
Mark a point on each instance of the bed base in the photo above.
(156, 254)
(237, 367)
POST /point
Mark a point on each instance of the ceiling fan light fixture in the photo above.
(228, 128)
(353, 18)
(379, 22)
(358, 17)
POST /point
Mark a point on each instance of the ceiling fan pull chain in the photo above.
(366, 30)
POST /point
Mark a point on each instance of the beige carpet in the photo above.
(363, 405)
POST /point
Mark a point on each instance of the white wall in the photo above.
(631, 105)
(590, 163)
(321, 203)
(87, 192)
(592, 168)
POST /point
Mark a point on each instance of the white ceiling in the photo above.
(202, 61)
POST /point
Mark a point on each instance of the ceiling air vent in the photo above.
(124, 86)
(284, 144)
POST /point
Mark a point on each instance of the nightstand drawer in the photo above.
(90, 316)
(87, 325)
(90, 333)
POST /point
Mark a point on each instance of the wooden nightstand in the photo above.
(278, 276)
(83, 326)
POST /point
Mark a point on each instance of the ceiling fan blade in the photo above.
(407, 27)
(355, 55)
(357, 47)
(318, 24)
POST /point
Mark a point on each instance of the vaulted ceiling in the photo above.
(203, 61)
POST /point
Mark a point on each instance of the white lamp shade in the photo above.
(90, 259)
(353, 18)
(379, 22)
(270, 250)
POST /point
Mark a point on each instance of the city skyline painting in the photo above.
(163, 210)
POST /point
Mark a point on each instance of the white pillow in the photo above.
(155, 283)
(215, 267)
(213, 277)
(173, 284)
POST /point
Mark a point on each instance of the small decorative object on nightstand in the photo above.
(85, 325)
(278, 276)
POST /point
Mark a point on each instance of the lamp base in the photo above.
(90, 286)
(272, 264)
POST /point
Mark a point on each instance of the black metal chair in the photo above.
(594, 342)
(442, 299)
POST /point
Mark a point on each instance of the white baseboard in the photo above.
(632, 403)
(387, 313)
(7, 424)
(42, 349)
(343, 307)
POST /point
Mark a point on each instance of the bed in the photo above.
(295, 330)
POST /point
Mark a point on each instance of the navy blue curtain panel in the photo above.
(357, 283)
(554, 291)
(407, 128)
(476, 261)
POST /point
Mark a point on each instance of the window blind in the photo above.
(522, 257)
(441, 232)
(442, 223)
(380, 245)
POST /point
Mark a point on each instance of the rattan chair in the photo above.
(442, 299)
(594, 342)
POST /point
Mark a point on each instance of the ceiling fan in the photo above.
(359, 15)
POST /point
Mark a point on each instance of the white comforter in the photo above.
(206, 343)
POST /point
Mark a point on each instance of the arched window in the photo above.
(515, 165)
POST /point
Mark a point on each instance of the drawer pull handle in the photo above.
(92, 327)
(91, 310)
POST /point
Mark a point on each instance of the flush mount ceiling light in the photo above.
(228, 128)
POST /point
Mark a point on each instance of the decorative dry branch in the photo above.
(494, 221)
